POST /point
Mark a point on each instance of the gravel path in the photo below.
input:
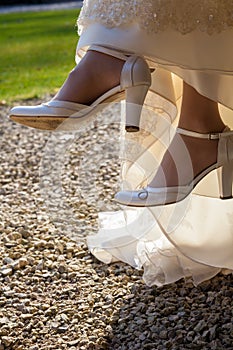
(41, 7)
(55, 295)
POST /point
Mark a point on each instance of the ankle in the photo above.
(199, 113)
(203, 124)
(94, 75)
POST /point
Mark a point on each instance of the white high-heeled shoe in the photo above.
(150, 196)
(135, 81)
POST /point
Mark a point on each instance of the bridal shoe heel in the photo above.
(135, 81)
(151, 196)
(135, 97)
(225, 179)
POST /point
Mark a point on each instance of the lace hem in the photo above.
(184, 16)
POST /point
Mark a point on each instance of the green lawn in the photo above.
(37, 52)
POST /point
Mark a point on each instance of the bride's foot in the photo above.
(103, 76)
(95, 74)
(200, 145)
(178, 173)
(185, 158)
(188, 156)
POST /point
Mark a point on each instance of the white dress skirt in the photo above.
(183, 40)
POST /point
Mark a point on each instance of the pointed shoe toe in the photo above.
(148, 196)
(46, 116)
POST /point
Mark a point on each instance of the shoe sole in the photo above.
(38, 122)
(52, 123)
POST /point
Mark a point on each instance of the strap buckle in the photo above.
(214, 136)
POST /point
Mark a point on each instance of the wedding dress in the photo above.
(182, 40)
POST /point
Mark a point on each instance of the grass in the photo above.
(37, 52)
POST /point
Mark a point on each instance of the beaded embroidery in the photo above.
(184, 16)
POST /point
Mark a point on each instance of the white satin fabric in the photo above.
(194, 237)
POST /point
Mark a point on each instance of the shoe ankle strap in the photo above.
(111, 52)
(209, 136)
(122, 55)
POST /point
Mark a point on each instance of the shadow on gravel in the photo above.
(177, 317)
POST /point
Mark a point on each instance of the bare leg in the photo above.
(95, 74)
(200, 114)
